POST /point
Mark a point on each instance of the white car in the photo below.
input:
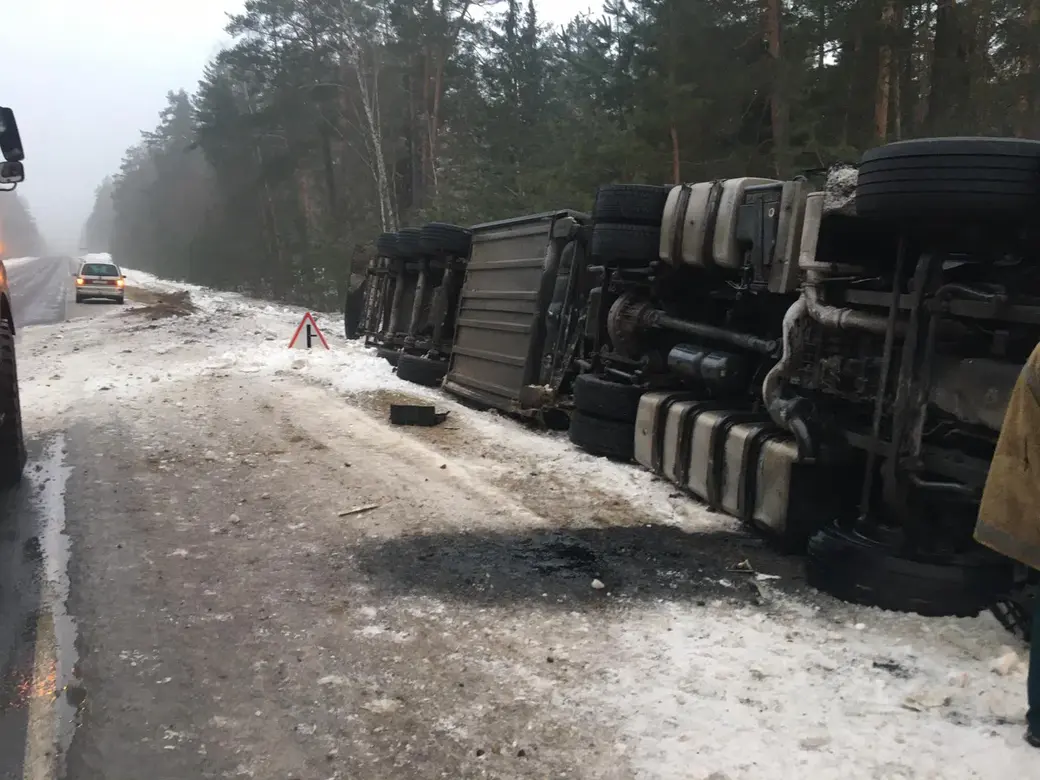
(100, 280)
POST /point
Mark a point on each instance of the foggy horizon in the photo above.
(85, 95)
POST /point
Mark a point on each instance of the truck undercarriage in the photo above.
(836, 364)
(831, 365)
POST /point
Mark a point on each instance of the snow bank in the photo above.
(744, 694)
(13, 262)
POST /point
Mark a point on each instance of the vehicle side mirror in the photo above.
(11, 172)
(10, 140)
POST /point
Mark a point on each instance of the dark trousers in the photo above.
(1033, 685)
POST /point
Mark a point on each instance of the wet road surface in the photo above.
(42, 292)
(39, 688)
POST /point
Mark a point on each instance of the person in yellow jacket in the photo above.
(1009, 515)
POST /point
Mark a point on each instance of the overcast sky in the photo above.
(84, 77)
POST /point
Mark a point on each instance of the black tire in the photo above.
(439, 238)
(407, 243)
(422, 371)
(386, 244)
(854, 568)
(1015, 612)
(606, 399)
(354, 309)
(630, 245)
(79, 299)
(391, 356)
(12, 437)
(944, 179)
(609, 438)
(631, 204)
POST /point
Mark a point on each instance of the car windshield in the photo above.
(99, 269)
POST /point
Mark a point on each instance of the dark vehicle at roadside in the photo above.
(12, 438)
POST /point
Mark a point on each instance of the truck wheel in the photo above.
(12, 438)
(606, 399)
(422, 371)
(407, 242)
(386, 244)
(353, 309)
(609, 438)
(855, 568)
(391, 356)
(1015, 613)
(943, 178)
(627, 245)
(439, 238)
(630, 204)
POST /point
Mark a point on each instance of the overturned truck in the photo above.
(832, 366)
(495, 312)
(410, 299)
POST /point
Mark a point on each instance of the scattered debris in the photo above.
(358, 510)
(1006, 663)
(333, 679)
(382, 706)
(927, 698)
(814, 743)
(598, 585)
(415, 414)
(894, 668)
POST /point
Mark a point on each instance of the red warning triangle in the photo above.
(307, 333)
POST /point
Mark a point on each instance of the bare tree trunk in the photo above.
(676, 160)
(926, 57)
(885, 72)
(437, 57)
(821, 36)
(416, 161)
(424, 127)
(374, 132)
(779, 110)
(435, 115)
(980, 12)
(950, 79)
(1029, 100)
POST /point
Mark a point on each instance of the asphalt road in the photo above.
(35, 628)
(42, 293)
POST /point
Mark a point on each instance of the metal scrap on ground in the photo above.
(415, 414)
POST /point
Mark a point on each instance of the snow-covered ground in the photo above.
(12, 262)
(802, 687)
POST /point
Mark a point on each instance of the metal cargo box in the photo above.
(516, 312)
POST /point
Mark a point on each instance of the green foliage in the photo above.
(327, 121)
